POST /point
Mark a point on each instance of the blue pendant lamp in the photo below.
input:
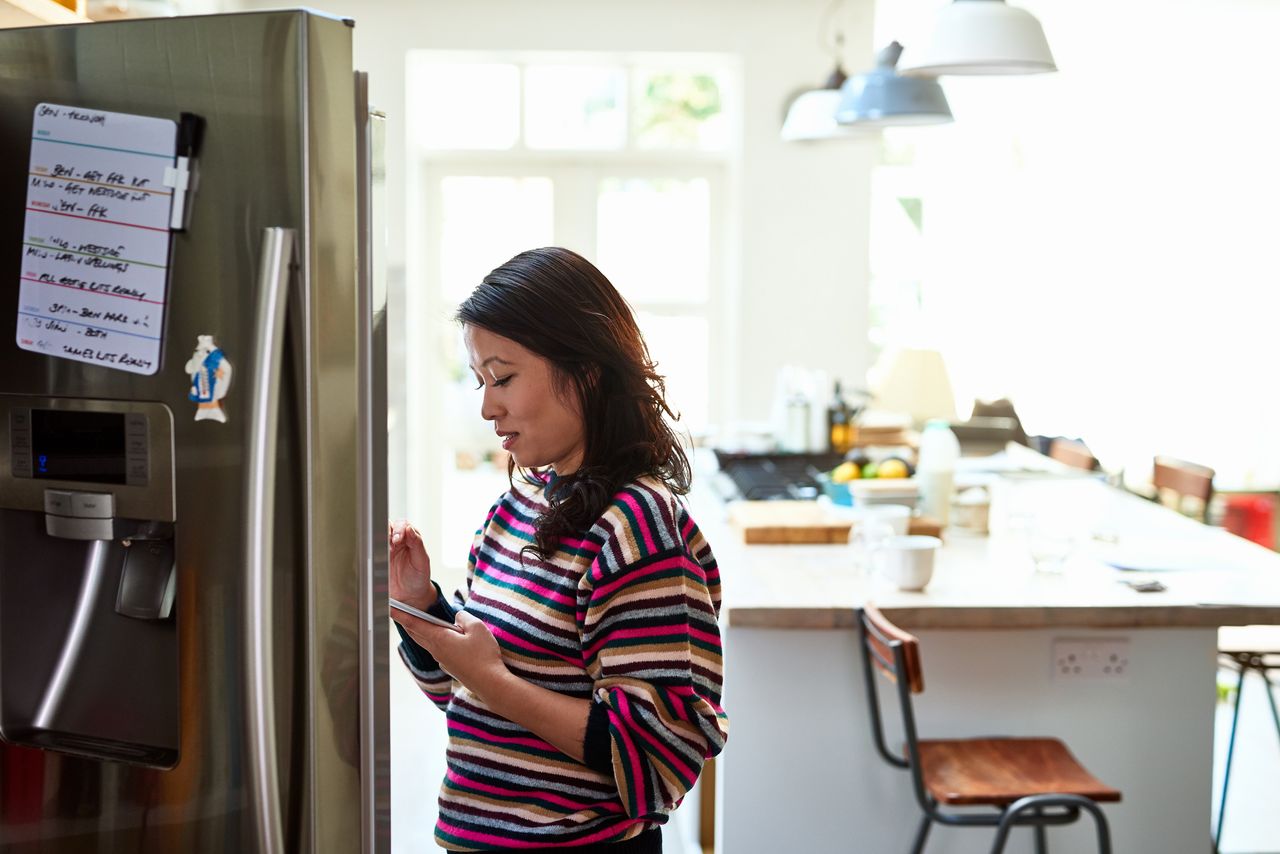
(881, 97)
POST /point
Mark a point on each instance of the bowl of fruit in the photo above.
(862, 480)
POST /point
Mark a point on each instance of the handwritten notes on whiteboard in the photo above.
(95, 250)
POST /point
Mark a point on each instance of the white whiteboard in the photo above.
(95, 249)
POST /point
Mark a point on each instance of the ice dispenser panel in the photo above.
(88, 635)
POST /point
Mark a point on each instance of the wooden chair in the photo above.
(1072, 453)
(1184, 486)
(1033, 782)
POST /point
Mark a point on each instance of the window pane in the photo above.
(679, 109)
(652, 237)
(461, 105)
(487, 220)
(679, 346)
(575, 106)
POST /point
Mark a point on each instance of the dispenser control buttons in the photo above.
(78, 529)
(92, 505)
(57, 502)
(20, 441)
(135, 449)
(79, 515)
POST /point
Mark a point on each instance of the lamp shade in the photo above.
(811, 115)
(980, 37)
(915, 381)
(882, 97)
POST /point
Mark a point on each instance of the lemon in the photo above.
(844, 473)
(870, 470)
(893, 468)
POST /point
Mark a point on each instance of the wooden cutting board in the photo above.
(779, 522)
(800, 522)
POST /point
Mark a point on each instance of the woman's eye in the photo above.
(498, 383)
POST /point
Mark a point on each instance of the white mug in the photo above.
(907, 562)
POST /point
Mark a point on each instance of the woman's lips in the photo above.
(509, 440)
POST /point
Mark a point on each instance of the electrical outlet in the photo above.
(1091, 658)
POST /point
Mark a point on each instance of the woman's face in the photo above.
(534, 420)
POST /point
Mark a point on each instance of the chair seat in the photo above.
(998, 771)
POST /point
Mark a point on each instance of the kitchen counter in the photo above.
(988, 627)
(986, 581)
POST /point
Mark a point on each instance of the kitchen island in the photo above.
(800, 772)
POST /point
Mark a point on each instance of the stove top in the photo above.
(775, 476)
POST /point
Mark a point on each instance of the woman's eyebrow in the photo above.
(497, 359)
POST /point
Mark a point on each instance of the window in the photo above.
(622, 159)
(1108, 275)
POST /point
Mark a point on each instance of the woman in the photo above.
(582, 686)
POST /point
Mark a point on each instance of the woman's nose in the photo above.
(489, 408)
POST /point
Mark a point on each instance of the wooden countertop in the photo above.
(988, 582)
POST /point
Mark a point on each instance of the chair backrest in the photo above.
(894, 654)
(1182, 480)
(1073, 454)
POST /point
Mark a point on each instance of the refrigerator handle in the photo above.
(278, 248)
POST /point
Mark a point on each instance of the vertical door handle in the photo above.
(278, 248)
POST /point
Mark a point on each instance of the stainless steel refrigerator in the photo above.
(193, 630)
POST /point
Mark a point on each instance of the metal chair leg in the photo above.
(1036, 803)
(922, 834)
(1231, 749)
(1271, 695)
(1042, 845)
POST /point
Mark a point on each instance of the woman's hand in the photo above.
(470, 655)
(409, 570)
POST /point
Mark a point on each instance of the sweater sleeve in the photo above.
(435, 683)
(649, 605)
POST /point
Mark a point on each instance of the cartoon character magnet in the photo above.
(210, 378)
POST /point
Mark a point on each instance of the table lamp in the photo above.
(915, 381)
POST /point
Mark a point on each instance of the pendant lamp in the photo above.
(881, 97)
(812, 114)
(980, 37)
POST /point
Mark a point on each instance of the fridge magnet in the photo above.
(210, 374)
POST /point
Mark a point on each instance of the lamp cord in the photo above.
(833, 44)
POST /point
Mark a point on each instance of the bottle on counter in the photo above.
(842, 433)
(795, 437)
(936, 469)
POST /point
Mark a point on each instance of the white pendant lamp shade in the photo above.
(811, 115)
(980, 37)
(881, 97)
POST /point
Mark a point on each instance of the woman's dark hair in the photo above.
(556, 304)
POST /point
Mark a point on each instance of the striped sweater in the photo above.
(626, 616)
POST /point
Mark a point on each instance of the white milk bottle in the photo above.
(936, 469)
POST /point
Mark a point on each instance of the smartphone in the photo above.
(421, 615)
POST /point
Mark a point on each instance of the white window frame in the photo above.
(575, 177)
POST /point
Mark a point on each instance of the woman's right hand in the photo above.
(409, 570)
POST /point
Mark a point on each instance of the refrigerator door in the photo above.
(283, 129)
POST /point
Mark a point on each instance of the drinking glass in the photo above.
(1050, 544)
(865, 538)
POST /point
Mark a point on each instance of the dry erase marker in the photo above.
(421, 615)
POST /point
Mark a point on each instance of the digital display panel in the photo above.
(77, 445)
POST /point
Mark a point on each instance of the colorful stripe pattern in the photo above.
(627, 616)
